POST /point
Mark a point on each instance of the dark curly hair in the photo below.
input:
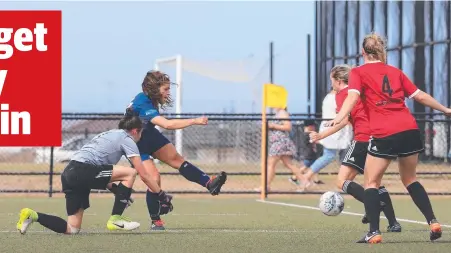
(151, 87)
(129, 122)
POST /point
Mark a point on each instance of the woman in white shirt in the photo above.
(336, 143)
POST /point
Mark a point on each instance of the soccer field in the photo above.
(225, 224)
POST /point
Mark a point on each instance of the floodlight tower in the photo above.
(178, 92)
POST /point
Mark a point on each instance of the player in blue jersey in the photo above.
(156, 94)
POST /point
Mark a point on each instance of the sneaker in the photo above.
(216, 182)
(157, 225)
(294, 181)
(371, 237)
(117, 222)
(394, 228)
(436, 230)
(365, 219)
(26, 218)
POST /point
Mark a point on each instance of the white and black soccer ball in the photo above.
(331, 203)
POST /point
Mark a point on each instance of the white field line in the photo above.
(344, 212)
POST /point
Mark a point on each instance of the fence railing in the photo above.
(229, 142)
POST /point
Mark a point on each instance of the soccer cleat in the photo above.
(365, 219)
(26, 218)
(436, 230)
(371, 237)
(216, 182)
(117, 222)
(394, 228)
(157, 225)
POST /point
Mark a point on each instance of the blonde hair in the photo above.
(375, 46)
(341, 72)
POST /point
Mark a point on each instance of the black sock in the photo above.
(193, 174)
(421, 199)
(354, 190)
(53, 223)
(387, 206)
(372, 207)
(122, 196)
(153, 205)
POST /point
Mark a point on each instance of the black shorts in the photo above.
(402, 144)
(356, 156)
(77, 181)
(151, 141)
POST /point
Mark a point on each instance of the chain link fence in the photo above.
(229, 142)
(418, 40)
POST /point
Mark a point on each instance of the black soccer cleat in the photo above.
(394, 228)
(436, 230)
(216, 182)
(371, 237)
(365, 219)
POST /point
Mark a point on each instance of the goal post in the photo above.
(247, 73)
(177, 61)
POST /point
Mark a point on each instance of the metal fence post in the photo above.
(266, 160)
(51, 173)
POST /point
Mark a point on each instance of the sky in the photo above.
(109, 46)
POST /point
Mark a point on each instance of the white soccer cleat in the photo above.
(117, 222)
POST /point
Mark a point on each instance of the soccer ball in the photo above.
(331, 203)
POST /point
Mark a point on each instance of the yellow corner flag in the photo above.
(275, 96)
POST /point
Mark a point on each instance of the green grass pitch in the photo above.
(224, 224)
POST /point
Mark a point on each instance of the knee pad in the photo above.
(73, 230)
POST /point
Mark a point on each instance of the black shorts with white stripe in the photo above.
(402, 144)
(77, 181)
(356, 156)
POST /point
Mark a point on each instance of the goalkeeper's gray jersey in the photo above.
(107, 148)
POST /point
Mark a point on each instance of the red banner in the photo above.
(30, 78)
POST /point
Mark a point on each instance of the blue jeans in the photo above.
(308, 163)
(327, 157)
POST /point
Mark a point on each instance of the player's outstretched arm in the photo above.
(315, 137)
(165, 199)
(144, 174)
(349, 103)
(427, 100)
(172, 124)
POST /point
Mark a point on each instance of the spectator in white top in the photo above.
(333, 145)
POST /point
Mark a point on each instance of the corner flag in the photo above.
(274, 96)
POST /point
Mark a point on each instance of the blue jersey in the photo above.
(142, 106)
(151, 139)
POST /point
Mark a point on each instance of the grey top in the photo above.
(107, 148)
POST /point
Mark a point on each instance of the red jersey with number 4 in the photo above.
(359, 118)
(383, 89)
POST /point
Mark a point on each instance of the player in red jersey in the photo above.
(394, 132)
(354, 161)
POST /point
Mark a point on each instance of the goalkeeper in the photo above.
(91, 168)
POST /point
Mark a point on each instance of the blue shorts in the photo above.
(151, 141)
(308, 163)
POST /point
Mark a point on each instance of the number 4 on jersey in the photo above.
(386, 86)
